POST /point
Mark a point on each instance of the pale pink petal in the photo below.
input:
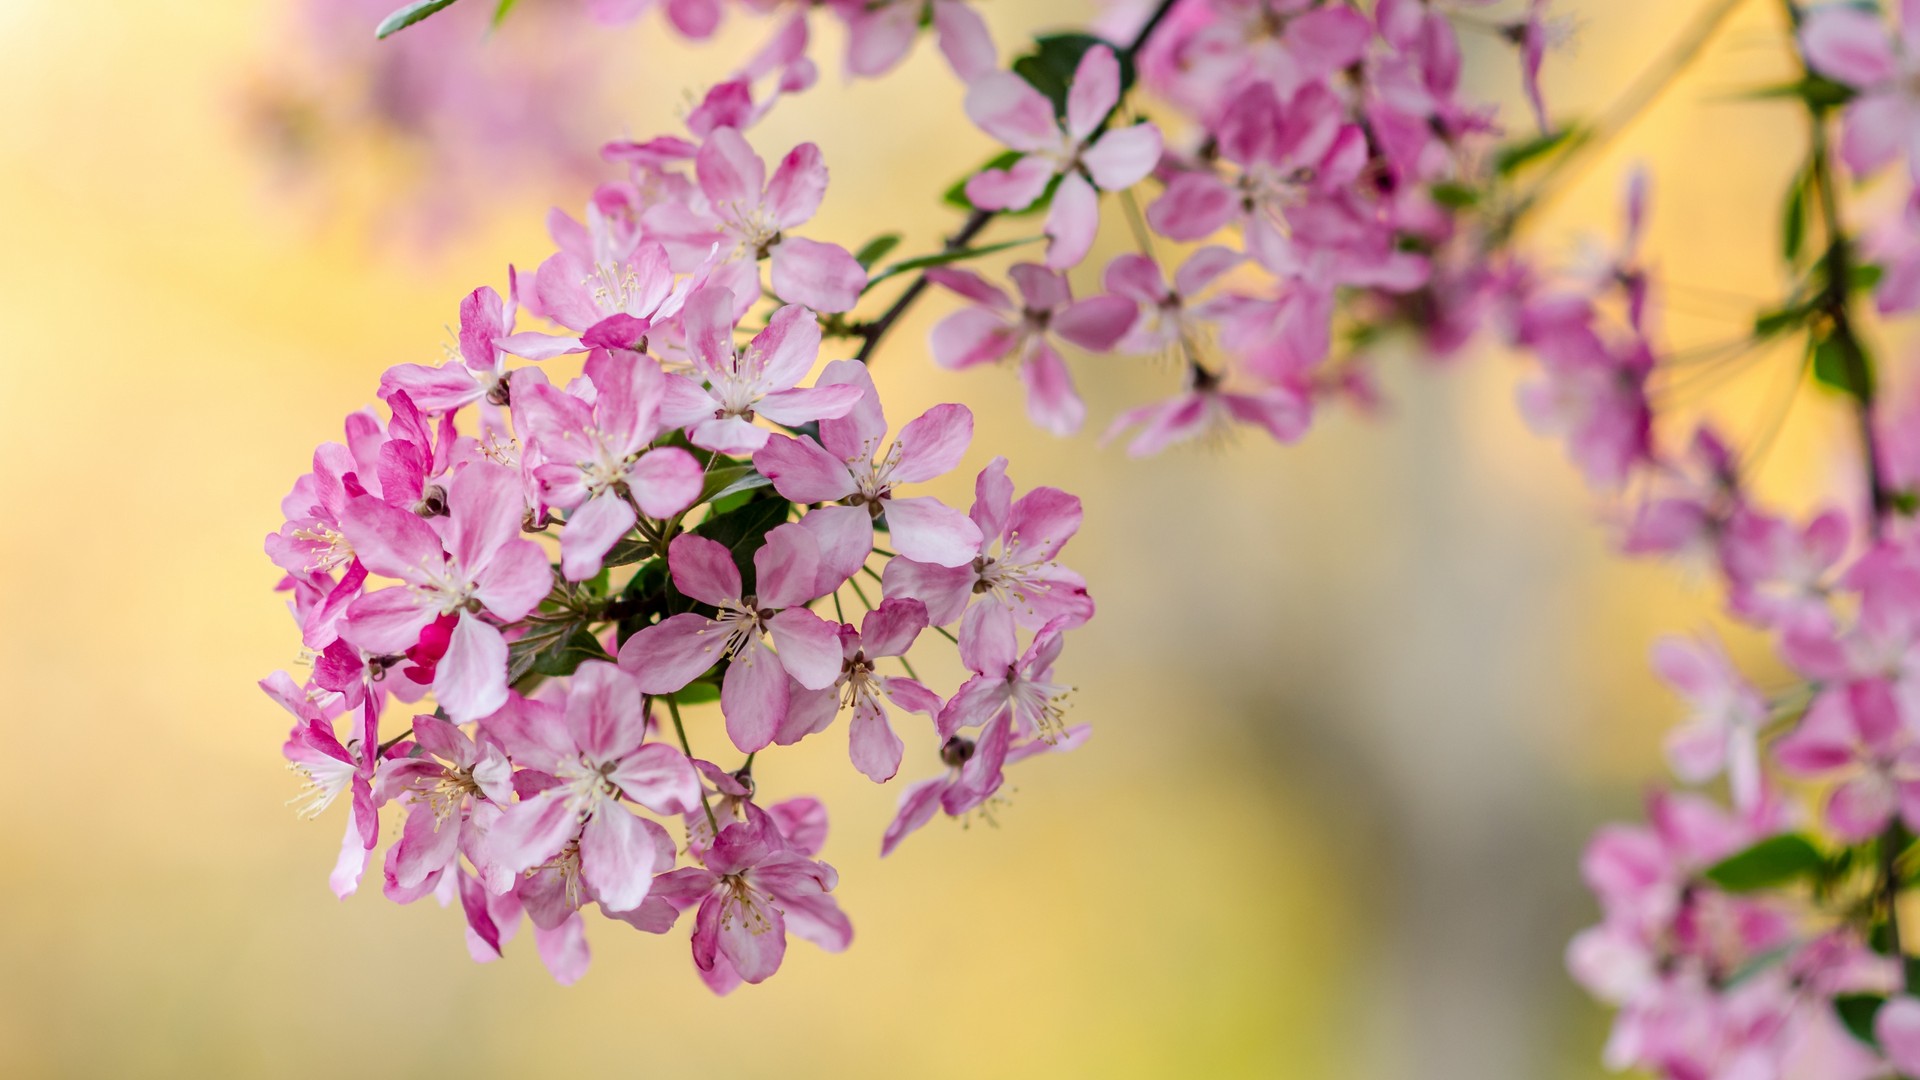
(665, 481)
(518, 580)
(809, 647)
(925, 529)
(754, 941)
(603, 712)
(1097, 323)
(785, 350)
(532, 831)
(964, 40)
(785, 568)
(844, 535)
(803, 472)
(871, 743)
(1874, 131)
(970, 284)
(1041, 523)
(616, 857)
(865, 425)
(798, 185)
(1194, 205)
(1848, 45)
(1094, 92)
(932, 443)
(988, 643)
(1051, 401)
(1008, 108)
(1123, 157)
(825, 277)
(917, 806)
(434, 389)
(1011, 188)
(667, 656)
(878, 39)
(796, 407)
(703, 569)
(944, 590)
(387, 620)
(659, 778)
(1203, 267)
(889, 629)
(809, 712)
(534, 345)
(471, 679)
(1861, 808)
(1897, 1026)
(973, 335)
(563, 949)
(729, 171)
(591, 531)
(1135, 277)
(754, 696)
(1072, 222)
(389, 542)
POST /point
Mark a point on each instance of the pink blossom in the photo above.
(847, 467)
(595, 458)
(1206, 409)
(1851, 46)
(1014, 567)
(736, 204)
(454, 790)
(484, 568)
(1008, 107)
(1727, 716)
(1007, 682)
(973, 776)
(1172, 319)
(759, 381)
(1855, 731)
(888, 630)
(994, 329)
(752, 889)
(480, 373)
(667, 656)
(880, 34)
(332, 769)
(597, 759)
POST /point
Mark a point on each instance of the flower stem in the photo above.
(673, 710)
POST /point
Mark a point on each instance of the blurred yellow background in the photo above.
(1357, 703)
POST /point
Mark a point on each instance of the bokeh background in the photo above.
(1357, 702)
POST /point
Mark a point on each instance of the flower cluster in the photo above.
(538, 573)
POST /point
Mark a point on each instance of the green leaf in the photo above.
(1450, 194)
(409, 15)
(628, 550)
(1857, 1011)
(956, 196)
(500, 12)
(876, 249)
(1815, 91)
(944, 257)
(1050, 67)
(743, 530)
(1509, 158)
(730, 480)
(1831, 367)
(696, 693)
(552, 648)
(1769, 323)
(1767, 864)
(1793, 225)
(1866, 277)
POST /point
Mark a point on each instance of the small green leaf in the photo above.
(730, 480)
(1769, 323)
(876, 249)
(1866, 277)
(1832, 367)
(1769, 863)
(1508, 159)
(1857, 1011)
(1450, 194)
(1815, 91)
(944, 257)
(500, 12)
(552, 648)
(409, 15)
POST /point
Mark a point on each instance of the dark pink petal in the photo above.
(531, 832)
(977, 702)
(944, 590)
(803, 472)
(703, 569)
(889, 630)
(809, 647)
(471, 680)
(667, 656)
(435, 389)
(1072, 222)
(917, 806)
(473, 903)
(1008, 108)
(729, 171)
(925, 529)
(1203, 267)
(816, 917)
(518, 579)
(1123, 157)
(665, 481)
(1096, 323)
(753, 696)
(932, 443)
(1194, 205)
(992, 499)
(871, 743)
(443, 740)
(533, 733)
(659, 778)
(1012, 188)
(825, 277)
(798, 185)
(1041, 522)
(911, 696)
(1135, 277)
